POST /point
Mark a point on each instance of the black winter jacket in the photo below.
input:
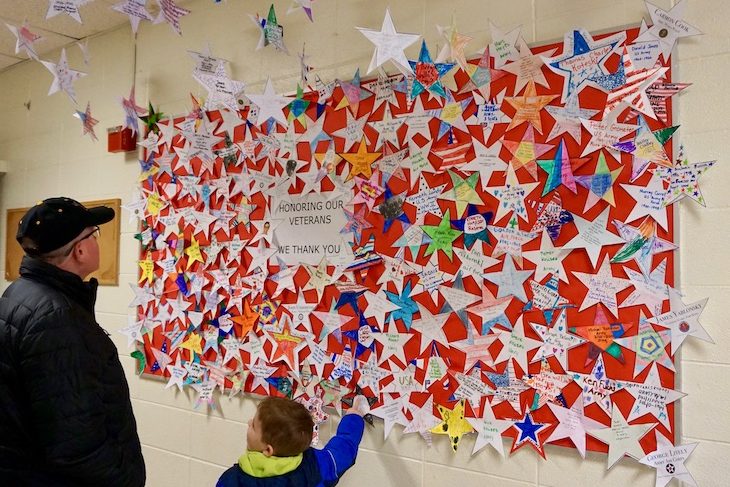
(65, 414)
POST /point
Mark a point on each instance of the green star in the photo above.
(150, 120)
(442, 236)
(463, 192)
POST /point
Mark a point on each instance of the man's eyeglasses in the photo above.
(95, 234)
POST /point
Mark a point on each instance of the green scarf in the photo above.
(256, 464)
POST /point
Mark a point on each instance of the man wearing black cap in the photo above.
(65, 414)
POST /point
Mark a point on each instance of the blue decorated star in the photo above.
(474, 226)
(407, 306)
(529, 433)
(428, 74)
(583, 59)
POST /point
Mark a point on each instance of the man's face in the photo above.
(89, 258)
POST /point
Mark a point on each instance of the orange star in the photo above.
(528, 107)
(247, 320)
(360, 161)
(286, 346)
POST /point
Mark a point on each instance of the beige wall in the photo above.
(47, 156)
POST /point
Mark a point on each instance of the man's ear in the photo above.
(268, 451)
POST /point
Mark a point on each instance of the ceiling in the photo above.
(57, 31)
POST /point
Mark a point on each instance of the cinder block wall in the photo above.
(183, 448)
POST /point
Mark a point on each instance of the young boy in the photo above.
(278, 452)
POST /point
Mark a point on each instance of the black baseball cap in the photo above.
(54, 222)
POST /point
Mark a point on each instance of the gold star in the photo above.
(528, 107)
(193, 343)
(148, 269)
(193, 253)
(453, 424)
(360, 161)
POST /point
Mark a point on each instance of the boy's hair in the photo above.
(286, 425)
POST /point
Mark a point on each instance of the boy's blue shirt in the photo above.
(319, 468)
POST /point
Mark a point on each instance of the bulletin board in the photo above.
(108, 273)
(223, 303)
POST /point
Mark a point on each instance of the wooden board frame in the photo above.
(108, 273)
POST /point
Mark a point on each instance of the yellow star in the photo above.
(453, 424)
(361, 161)
(148, 269)
(193, 253)
(528, 107)
(193, 343)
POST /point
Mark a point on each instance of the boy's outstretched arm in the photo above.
(340, 452)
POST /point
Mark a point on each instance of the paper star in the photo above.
(642, 244)
(63, 76)
(652, 398)
(602, 287)
(431, 328)
(452, 423)
(510, 240)
(528, 106)
(68, 7)
(406, 307)
(24, 39)
(659, 93)
(649, 346)
(668, 460)
(633, 91)
(597, 386)
(599, 184)
(457, 300)
(389, 45)
(463, 192)
(548, 385)
(474, 226)
(601, 334)
(573, 424)
(525, 152)
(287, 345)
(260, 372)
(592, 236)
(423, 419)
(270, 104)
(583, 59)
(177, 373)
(135, 10)
(428, 74)
(649, 148)
(393, 344)
(481, 75)
(649, 201)
(510, 280)
(503, 45)
(491, 311)
(683, 179)
(668, 26)
(548, 259)
(560, 170)
(515, 345)
(271, 32)
(132, 111)
(551, 216)
(683, 320)
(417, 121)
(476, 348)
(391, 412)
(606, 133)
(360, 161)
(650, 288)
(528, 433)
(87, 121)
(556, 341)
(318, 277)
(507, 387)
(511, 196)
(222, 91)
(391, 209)
(527, 67)
(486, 161)
(567, 118)
(353, 94)
(621, 438)
(442, 236)
(171, 13)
